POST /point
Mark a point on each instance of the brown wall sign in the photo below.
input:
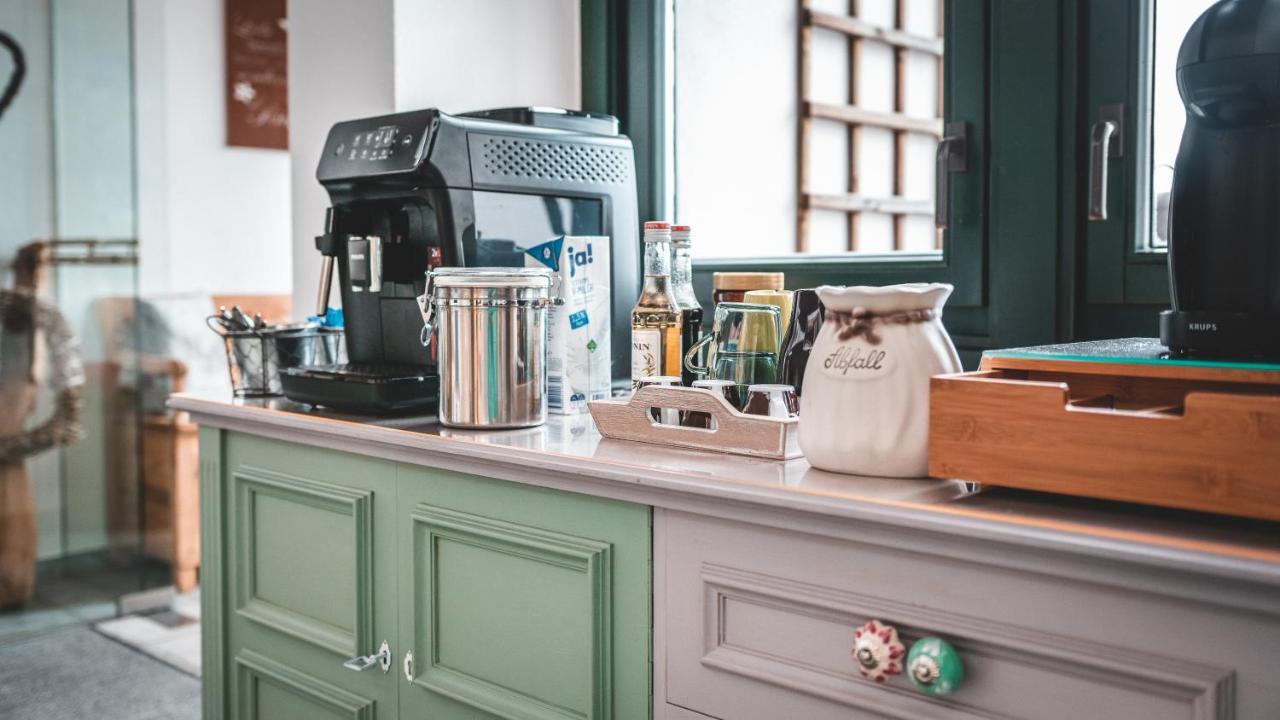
(257, 76)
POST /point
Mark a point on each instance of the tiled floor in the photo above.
(170, 635)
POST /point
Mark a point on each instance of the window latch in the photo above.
(952, 157)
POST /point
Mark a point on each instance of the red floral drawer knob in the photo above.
(878, 651)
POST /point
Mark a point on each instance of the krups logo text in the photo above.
(1203, 326)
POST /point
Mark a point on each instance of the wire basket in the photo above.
(255, 358)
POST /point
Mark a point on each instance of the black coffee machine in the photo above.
(417, 190)
(1224, 244)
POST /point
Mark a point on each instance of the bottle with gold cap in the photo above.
(655, 320)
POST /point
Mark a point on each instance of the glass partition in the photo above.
(74, 518)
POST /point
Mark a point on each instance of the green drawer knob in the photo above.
(934, 666)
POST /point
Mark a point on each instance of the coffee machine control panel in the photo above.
(374, 145)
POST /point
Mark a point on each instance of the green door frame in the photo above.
(1122, 287)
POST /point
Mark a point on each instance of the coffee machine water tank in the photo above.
(1224, 245)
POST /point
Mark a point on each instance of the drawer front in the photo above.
(759, 624)
(309, 553)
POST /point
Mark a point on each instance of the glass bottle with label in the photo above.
(682, 288)
(655, 320)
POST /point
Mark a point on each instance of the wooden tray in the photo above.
(1180, 434)
(735, 432)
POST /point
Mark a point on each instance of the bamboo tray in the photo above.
(1135, 427)
(734, 432)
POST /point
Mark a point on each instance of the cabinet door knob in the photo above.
(934, 666)
(382, 659)
(878, 651)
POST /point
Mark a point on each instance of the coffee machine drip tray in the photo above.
(364, 388)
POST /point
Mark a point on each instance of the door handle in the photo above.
(361, 663)
(952, 157)
(1106, 142)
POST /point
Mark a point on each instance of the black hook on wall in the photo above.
(19, 71)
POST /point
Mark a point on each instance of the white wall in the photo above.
(340, 67)
(407, 55)
(212, 218)
(93, 108)
(486, 53)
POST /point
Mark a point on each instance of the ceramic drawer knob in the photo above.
(934, 666)
(878, 651)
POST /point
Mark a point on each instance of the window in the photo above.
(1172, 20)
(805, 126)
(712, 100)
(1128, 60)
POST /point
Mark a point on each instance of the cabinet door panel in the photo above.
(272, 691)
(520, 602)
(304, 552)
(310, 556)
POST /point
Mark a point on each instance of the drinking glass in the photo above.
(742, 346)
(745, 369)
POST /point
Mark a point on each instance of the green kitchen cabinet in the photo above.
(521, 602)
(495, 599)
(309, 569)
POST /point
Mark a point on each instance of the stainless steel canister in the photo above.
(490, 326)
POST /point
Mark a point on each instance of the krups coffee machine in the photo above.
(417, 190)
(1224, 244)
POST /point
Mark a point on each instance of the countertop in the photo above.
(568, 453)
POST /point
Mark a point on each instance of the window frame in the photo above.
(1010, 253)
(624, 65)
(1124, 283)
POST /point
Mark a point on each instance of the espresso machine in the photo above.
(417, 190)
(1224, 244)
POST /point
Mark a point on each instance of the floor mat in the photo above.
(170, 635)
(76, 673)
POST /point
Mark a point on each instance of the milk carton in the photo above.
(578, 331)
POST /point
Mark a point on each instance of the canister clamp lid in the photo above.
(491, 277)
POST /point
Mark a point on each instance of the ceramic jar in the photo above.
(865, 407)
